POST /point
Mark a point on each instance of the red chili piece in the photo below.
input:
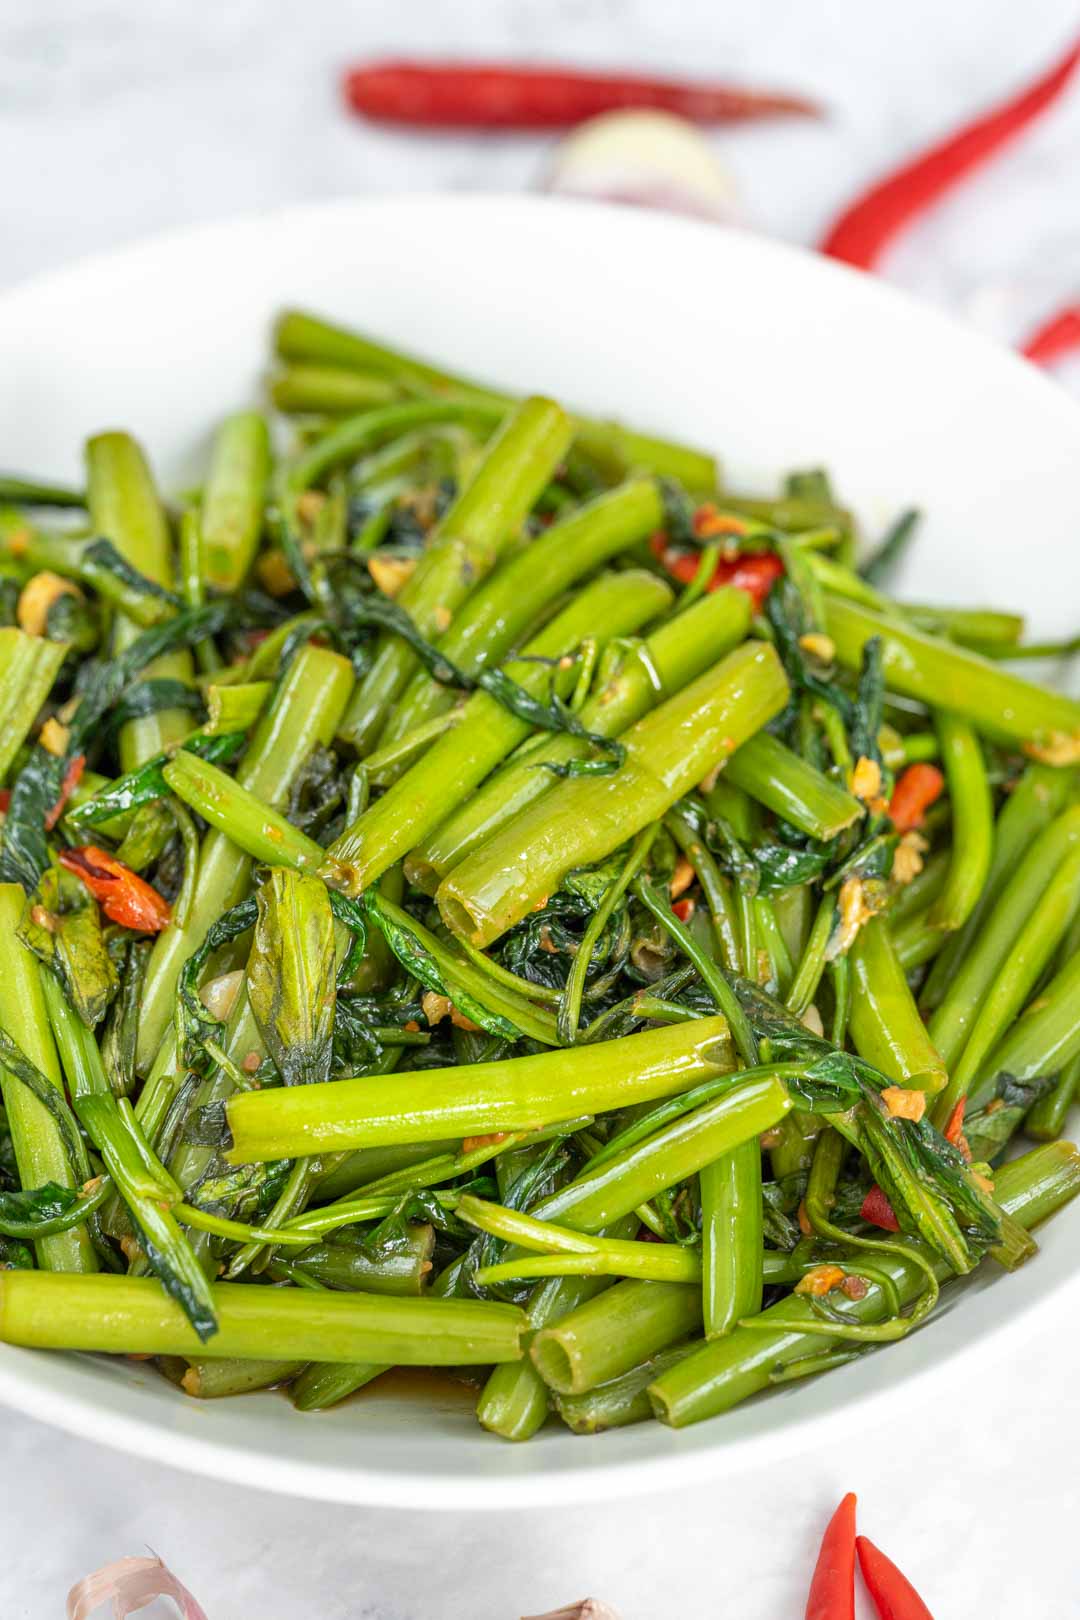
(752, 571)
(5, 799)
(878, 1211)
(1057, 337)
(894, 1596)
(72, 777)
(125, 898)
(683, 909)
(917, 788)
(496, 95)
(832, 1590)
(954, 1130)
(866, 228)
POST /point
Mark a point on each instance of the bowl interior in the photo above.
(773, 357)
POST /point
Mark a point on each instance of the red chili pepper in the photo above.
(753, 571)
(5, 799)
(500, 95)
(866, 228)
(878, 1211)
(125, 897)
(894, 1596)
(1056, 337)
(832, 1590)
(917, 788)
(72, 777)
(954, 1130)
(683, 909)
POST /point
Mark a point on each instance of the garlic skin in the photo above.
(650, 158)
(587, 1609)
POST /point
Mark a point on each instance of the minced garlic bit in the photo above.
(219, 995)
(37, 597)
(908, 857)
(309, 505)
(854, 1286)
(274, 574)
(854, 911)
(819, 646)
(681, 878)
(54, 737)
(1056, 748)
(390, 573)
(435, 1007)
(820, 1281)
(811, 1020)
(866, 779)
(460, 1021)
(983, 1183)
(708, 782)
(441, 617)
(903, 1103)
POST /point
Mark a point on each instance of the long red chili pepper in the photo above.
(866, 228)
(125, 897)
(494, 95)
(832, 1590)
(894, 1596)
(1057, 337)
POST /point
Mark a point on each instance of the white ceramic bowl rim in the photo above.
(673, 324)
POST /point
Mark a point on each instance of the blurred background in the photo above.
(120, 118)
(123, 117)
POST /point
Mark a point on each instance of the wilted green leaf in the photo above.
(290, 975)
(62, 926)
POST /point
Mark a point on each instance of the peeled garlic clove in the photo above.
(588, 1609)
(219, 995)
(651, 158)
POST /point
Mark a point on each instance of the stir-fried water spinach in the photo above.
(477, 892)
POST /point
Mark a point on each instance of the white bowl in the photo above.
(774, 357)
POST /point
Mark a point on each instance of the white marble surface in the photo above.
(118, 118)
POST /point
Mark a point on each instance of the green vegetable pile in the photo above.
(474, 892)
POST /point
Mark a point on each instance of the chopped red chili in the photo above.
(72, 777)
(754, 572)
(917, 788)
(124, 896)
(878, 1211)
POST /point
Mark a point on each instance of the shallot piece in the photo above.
(132, 1584)
(653, 159)
(588, 1609)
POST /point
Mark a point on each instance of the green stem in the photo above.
(674, 654)
(40, 1153)
(233, 499)
(477, 1099)
(584, 819)
(132, 1316)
